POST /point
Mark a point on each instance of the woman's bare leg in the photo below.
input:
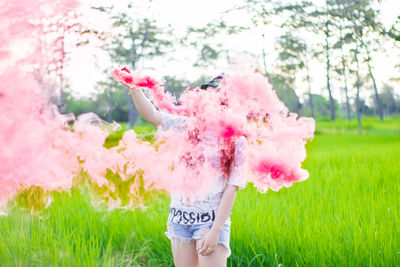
(217, 258)
(184, 253)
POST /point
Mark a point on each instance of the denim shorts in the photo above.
(187, 233)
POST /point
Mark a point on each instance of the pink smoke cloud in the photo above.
(40, 148)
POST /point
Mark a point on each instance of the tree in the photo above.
(307, 16)
(369, 30)
(136, 39)
(394, 31)
(321, 106)
(285, 92)
(205, 41)
(77, 106)
(363, 28)
(99, 103)
(111, 100)
(59, 33)
(323, 17)
(363, 25)
(390, 101)
(358, 83)
(294, 54)
(340, 11)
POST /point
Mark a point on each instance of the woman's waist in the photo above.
(193, 215)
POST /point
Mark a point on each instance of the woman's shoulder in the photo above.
(172, 121)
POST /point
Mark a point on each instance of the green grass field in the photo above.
(345, 214)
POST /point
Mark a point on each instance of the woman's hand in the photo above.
(133, 79)
(209, 243)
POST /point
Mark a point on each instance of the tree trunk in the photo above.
(265, 63)
(358, 85)
(377, 100)
(309, 92)
(110, 107)
(346, 89)
(61, 100)
(133, 113)
(328, 66)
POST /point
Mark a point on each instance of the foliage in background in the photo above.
(345, 35)
(136, 38)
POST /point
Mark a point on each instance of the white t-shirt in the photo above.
(199, 211)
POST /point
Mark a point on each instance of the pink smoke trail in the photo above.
(38, 146)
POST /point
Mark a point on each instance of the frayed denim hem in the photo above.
(186, 240)
(227, 247)
(190, 233)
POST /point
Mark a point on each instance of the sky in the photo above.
(87, 64)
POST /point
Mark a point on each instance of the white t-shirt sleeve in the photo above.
(170, 121)
(239, 165)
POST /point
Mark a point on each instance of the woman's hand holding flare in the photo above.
(133, 79)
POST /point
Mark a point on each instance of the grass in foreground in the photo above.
(345, 214)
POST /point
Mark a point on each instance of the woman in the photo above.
(199, 229)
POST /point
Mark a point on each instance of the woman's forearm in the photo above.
(225, 207)
(145, 107)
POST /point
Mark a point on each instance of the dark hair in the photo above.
(214, 82)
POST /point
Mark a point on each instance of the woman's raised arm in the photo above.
(145, 107)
